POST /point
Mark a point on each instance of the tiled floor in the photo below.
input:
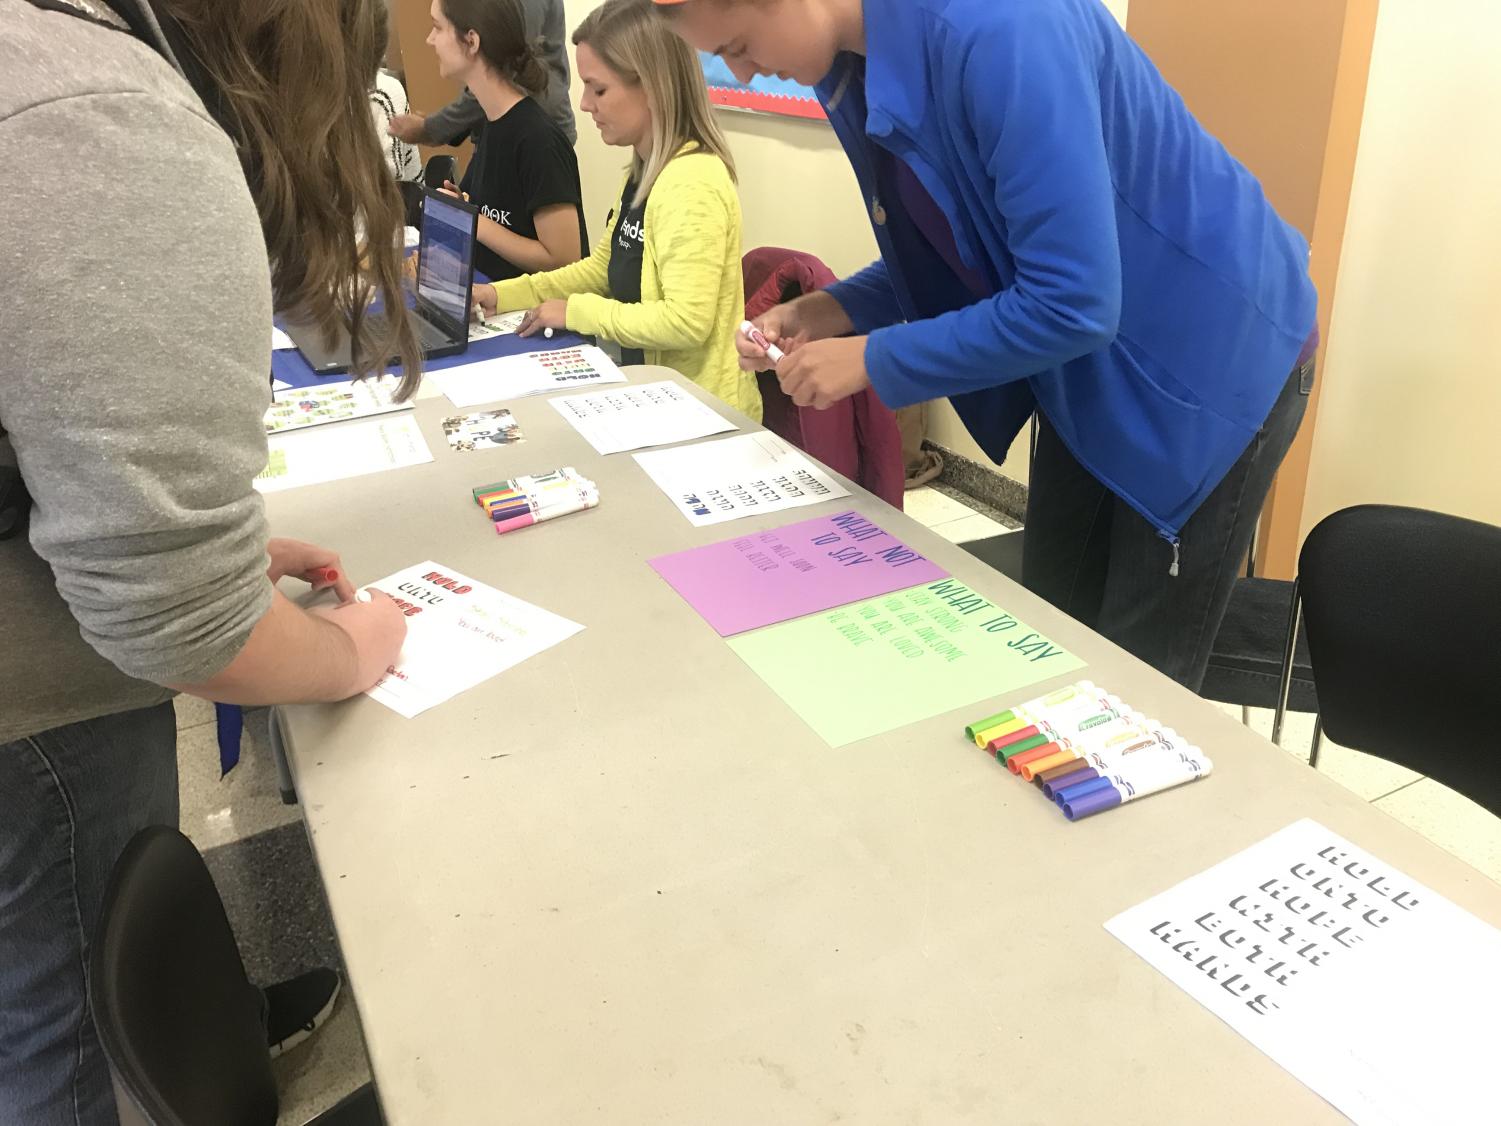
(245, 812)
(949, 517)
(244, 806)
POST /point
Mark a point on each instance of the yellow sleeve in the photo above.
(688, 222)
(589, 275)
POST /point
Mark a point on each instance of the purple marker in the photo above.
(1135, 778)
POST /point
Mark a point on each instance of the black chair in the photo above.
(1245, 664)
(1402, 609)
(178, 1019)
(439, 170)
(411, 201)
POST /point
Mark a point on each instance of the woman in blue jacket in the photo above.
(1058, 233)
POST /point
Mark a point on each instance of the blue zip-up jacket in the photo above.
(1146, 294)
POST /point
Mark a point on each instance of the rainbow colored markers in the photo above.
(1087, 751)
(521, 502)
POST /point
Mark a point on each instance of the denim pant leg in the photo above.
(70, 800)
(1066, 546)
(1093, 556)
(1171, 622)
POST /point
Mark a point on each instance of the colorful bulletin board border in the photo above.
(779, 96)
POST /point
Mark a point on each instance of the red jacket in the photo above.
(857, 437)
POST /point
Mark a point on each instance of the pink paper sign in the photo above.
(768, 577)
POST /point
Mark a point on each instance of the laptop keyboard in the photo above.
(428, 334)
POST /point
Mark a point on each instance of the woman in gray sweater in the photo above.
(171, 150)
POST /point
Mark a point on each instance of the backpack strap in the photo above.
(90, 10)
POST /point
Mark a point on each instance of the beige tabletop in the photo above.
(624, 883)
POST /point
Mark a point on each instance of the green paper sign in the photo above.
(877, 665)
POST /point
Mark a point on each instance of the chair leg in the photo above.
(1284, 684)
(1318, 742)
(279, 755)
(1245, 715)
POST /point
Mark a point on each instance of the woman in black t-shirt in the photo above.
(524, 175)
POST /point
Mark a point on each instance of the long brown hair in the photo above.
(294, 77)
(503, 44)
(645, 52)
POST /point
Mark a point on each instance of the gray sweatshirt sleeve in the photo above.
(136, 329)
(452, 123)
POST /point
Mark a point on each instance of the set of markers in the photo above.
(523, 501)
(1087, 751)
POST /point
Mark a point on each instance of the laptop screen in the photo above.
(445, 257)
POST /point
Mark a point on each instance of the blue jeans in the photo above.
(1095, 558)
(70, 800)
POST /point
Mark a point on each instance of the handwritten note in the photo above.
(768, 577)
(910, 655)
(747, 475)
(460, 633)
(1376, 992)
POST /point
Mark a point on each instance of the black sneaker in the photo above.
(295, 1008)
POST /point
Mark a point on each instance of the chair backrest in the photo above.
(411, 201)
(1403, 613)
(178, 1019)
(440, 169)
(859, 436)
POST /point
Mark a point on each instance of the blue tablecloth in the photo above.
(290, 368)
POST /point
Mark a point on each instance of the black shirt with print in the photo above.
(521, 164)
(627, 252)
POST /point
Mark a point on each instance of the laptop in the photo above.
(445, 273)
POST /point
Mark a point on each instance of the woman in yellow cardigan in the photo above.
(664, 281)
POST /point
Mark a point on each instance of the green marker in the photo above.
(996, 720)
(483, 489)
(1006, 754)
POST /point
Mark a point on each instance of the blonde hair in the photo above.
(645, 52)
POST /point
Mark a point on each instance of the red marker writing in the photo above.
(758, 338)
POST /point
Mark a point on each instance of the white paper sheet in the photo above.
(280, 340)
(503, 324)
(631, 418)
(351, 449)
(1376, 992)
(332, 402)
(460, 633)
(743, 476)
(535, 373)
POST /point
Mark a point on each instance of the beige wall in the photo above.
(1412, 392)
(796, 188)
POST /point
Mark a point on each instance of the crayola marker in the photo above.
(1118, 753)
(1069, 740)
(1124, 731)
(1131, 730)
(1005, 718)
(1088, 714)
(1144, 777)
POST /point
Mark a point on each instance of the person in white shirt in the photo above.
(388, 101)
